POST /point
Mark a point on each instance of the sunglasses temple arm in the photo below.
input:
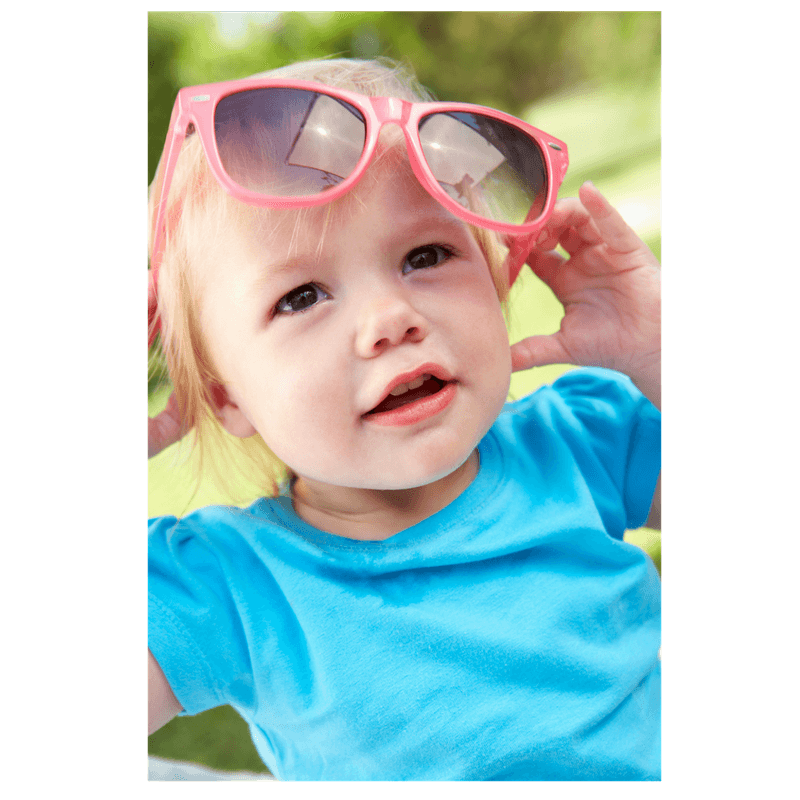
(519, 248)
(161, 186)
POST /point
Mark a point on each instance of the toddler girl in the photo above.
(440, 590)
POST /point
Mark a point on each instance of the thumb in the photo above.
(538, 351)
(164, 429)
(152, 296)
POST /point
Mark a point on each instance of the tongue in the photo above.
(431, 386)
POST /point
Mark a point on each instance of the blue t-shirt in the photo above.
(513, 635)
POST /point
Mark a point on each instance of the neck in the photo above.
(377, 514)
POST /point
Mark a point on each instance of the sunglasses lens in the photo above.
(288, 142)
(490, 167)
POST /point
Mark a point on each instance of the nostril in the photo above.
(382, 344)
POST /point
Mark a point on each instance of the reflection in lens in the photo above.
(486, 165)
(288, 142)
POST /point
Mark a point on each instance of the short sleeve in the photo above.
(194, 631)
(622, 429)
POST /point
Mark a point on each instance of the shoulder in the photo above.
(593, 423)
(590, 412)
(596, 385)
(580, 398)
(211, 521)
(207, 572)
(202, 537)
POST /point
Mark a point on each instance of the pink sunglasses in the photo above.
(293, 144)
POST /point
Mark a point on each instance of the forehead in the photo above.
(273, 238)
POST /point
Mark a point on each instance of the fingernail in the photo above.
(543, 236)
(597, 191)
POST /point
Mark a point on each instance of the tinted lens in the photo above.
(288, 142)
(488, 166)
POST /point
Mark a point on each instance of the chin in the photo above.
(420, 475)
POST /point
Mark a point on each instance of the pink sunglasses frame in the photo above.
(196, 105)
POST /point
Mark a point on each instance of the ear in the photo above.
(231, 416)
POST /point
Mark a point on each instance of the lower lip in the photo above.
(418, 411)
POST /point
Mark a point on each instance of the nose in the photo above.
(386, 322)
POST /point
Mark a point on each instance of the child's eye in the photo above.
(430, 255)
(300, 299)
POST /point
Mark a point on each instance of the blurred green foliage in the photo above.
(590, 78)
(508, 60)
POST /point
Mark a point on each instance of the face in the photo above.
(375, 356)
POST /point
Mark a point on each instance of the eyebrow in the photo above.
(276, 270)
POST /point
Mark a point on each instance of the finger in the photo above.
(617, 234)
(151, 292)
(546, 264)
(569, 218)
(164, 429)
(538, 351)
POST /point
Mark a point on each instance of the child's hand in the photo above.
(610, 288)
(165, 429)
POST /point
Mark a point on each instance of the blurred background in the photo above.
(593, 79)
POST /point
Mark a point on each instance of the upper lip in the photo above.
(435, 370)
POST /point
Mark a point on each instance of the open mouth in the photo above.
(422, 387)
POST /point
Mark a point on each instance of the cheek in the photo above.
(300, 410)
(480, 317)
(485, 344)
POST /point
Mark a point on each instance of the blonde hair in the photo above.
(198, 210)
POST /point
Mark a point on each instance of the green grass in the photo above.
(218, 739)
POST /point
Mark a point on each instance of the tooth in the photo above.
(407, 387)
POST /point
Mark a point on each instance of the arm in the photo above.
(610, 287)
(649, 384)
(654, 518)
(162, 705)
